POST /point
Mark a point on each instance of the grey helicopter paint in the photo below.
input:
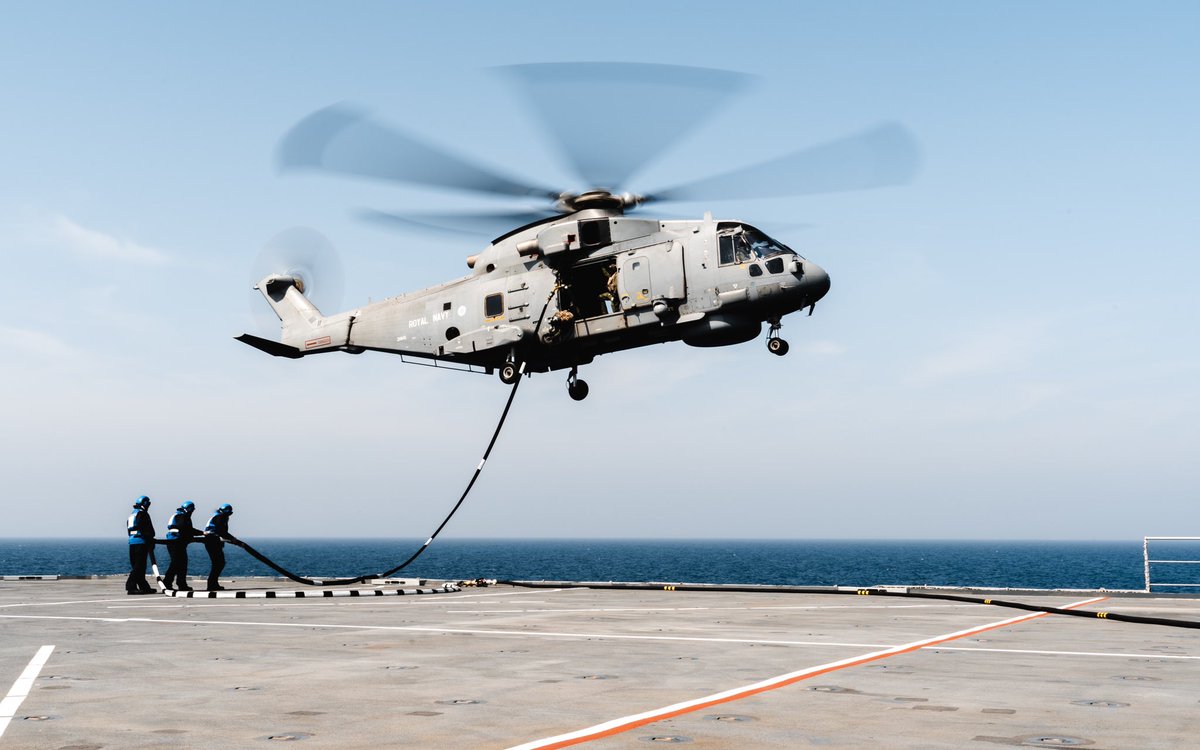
(673, 283)
(583, 278)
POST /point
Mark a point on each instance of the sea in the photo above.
(1004, 564)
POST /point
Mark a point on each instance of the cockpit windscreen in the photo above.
(742, 244)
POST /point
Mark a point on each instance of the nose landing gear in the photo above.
(776, 345)
(576, 388)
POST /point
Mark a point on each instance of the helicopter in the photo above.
(585, 275)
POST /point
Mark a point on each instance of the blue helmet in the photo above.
(226, 509)
(142, 503)
(187, 506)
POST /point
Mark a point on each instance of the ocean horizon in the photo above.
(818, 562)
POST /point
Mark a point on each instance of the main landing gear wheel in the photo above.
(510, 373)
(776, 345)
(576, 388)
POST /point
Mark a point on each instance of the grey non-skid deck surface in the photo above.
(499, 667)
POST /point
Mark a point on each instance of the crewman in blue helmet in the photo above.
(141, 541)
(180, 533)
(214, 535)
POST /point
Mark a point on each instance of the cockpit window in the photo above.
(726, 241)
(742, 244)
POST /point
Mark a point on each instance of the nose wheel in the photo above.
(776, 345)
(576, 388)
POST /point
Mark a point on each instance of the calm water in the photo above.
(820, 562)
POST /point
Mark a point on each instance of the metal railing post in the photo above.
(1146, 560)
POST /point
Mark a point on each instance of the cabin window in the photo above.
(755, 269)
(775, 265)
(493, 305)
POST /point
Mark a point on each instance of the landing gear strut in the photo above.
(576, 388)
(776, 345)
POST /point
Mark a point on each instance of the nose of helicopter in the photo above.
(816, 282)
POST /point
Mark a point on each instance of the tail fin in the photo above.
(305, 330)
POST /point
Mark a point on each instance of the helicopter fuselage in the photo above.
(557, 293)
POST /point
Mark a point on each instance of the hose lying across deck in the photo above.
(1170, 622)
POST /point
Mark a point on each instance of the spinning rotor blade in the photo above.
(342, 139)
(882, 156)
(611, 119)
(308, 255)
(489, 223)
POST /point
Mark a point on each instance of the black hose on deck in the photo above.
(858, 592)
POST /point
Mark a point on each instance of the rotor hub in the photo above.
(597, 198)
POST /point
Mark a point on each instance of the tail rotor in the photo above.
(306, 255)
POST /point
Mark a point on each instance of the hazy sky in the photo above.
(1009, 348)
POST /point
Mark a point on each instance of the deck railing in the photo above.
(1147, 561)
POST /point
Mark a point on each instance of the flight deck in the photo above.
(85, 667)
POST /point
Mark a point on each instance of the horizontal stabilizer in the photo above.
(274, 348)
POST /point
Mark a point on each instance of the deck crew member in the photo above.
(179, 533)
(141, 541)
(214, 535)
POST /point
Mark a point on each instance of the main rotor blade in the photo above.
(489, 223)
(342, 139)
(611, 119)
(881, 156)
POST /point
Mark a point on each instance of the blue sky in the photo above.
(1008, 349)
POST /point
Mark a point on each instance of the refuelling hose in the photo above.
(359, 579)
(478, 470)
(1169, 622)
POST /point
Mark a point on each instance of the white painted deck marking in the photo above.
(481, 631)
(1065, 653)
(625, 723)
(284, 603)
(56, 604)
(569, 610)
(21, 688)
(422, 629)
(450, 600)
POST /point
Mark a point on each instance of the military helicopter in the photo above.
(585, 275)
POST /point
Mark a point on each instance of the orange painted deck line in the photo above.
(624, 724)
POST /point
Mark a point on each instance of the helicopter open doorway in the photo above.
(589, 290)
